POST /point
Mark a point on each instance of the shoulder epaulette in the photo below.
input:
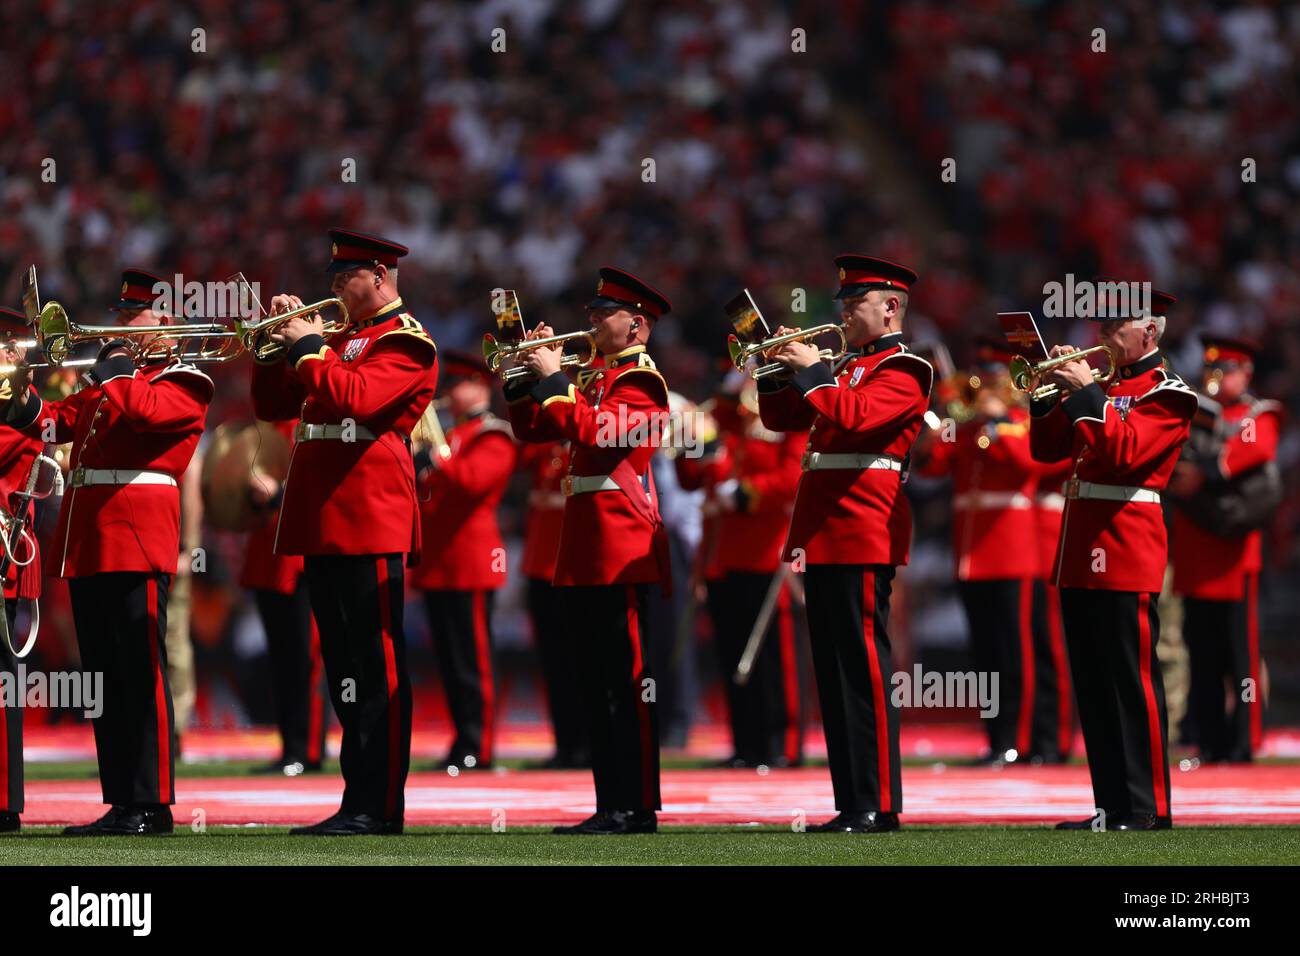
(902, 353)
(183, 368)
(408, 325)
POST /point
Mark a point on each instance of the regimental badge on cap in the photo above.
(860, 274)
(359, 250)
(137, 290)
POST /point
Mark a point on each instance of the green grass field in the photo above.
(531, 846)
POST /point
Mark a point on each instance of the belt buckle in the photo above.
(566, 486)
(300, 431)
(1072, 488)
(79, 476)
(808, 454)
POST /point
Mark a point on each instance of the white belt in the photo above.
(818, 460)
(586, 484)
(1074, 488)
(991, 499)
(119, 476)
(545, 499)
(310, 432)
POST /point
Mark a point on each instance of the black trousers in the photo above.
(1112, 636)
(848, 628)
(297, 673)
(358, 603)
(1223, 646)
(1000, 615)
(558, 651)
(1053, 735)
(121, 621)
(11, 725)
(619, 692)
(461, 622)
(766, 721)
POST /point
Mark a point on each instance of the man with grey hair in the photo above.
(1124, 434)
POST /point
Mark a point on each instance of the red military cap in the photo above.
(993, 350)
(357, 250)
(1221, 350)
(137, 290)
(1161, 302)
(13, 324)
(860, 274)
(619, 288)
(455, 364)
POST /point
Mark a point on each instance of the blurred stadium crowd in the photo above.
(524, 169)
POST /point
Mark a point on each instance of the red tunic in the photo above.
(263, 569)
(873, 403)
(462, 548)
(148, 419)
(994, 483)
(707, 473)
(549, 464)
(352, 497)
(1129, 434)
(1049, 507)
(612, 420)
(17, 452)
(1214, 568)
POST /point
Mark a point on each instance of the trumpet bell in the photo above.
(495, 353)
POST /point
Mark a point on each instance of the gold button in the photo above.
(983, 441)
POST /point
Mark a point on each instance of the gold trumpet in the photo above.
(741, 353)
(56, 333)
(1027, 377)
(250, 332)
(495, 353)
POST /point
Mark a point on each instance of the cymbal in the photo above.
(240, 453)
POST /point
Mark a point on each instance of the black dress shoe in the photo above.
(350, 824)
(1144, 821)
(613, 823)
(9, 822)
(96, 828)
(1077, 824)
(863, 821)
(139, 821)
(464, 761)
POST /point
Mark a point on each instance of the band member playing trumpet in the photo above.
(134, 431)
(463, 558)
(350, 507)
(1124, 438)
(23, 580)
(852, 524)
(613, 543)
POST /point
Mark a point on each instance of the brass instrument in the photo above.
(1026, 376)
(249, 332)
(495, 353)
(428, 430)
(56, 333)
(741, 353)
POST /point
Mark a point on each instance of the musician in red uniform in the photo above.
(133, 431)
(994, 544)
(612, 543)
(852, 525)
(292, 638)
(1218, 573)
(750, 475)
(548, 464)
(1124, 440)
(463, 557)
(22, 581)
(350, 509)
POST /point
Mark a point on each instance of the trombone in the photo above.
(741, 353)
(249, 332)
(57, 332)
(1028, 377)
(495, 353)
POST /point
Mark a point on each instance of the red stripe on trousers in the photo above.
(483, 655)
(1027, 685)
(1149, 694)
(1252, 644)
(390, 679)
(642, 708)
(789, 672)
(315, 699)
(1056, 638)
(877, 689)
(159, 694)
